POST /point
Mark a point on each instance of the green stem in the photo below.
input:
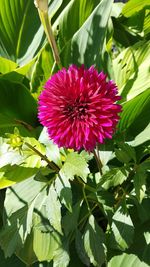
(85, 198)
(43, 14)
(51, 164)
(98, 161)
(87, 187)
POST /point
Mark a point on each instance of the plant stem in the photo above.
(98, 161)
(51, 164)
(43, 14)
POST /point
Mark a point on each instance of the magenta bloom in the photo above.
(78, 108)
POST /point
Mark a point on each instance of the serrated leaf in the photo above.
(125, 153)
(80, 248)
(10, 262)
(63, 189)
(75, 164)
(139, 180)
(113, 178)
(53, 208)
(19, 211)
(52, 150)
(69, 221)
(123, 229)
(94, 242)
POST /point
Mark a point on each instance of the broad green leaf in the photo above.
(20, 19)
(53, 208)
(69, 221)
(61, 257)
(139, 180)
(54, 5)
(17, 108)
(6, 65)
(42, 69)
(132, 70)
(134, 6)
(13, 235)
(30, 158)
(10, 262)
(142, 137)
(45, 239)
(10, 175)
(44, 66)
(26, 253)
(23, 155)
(52, 150)
(87, 44)
(63, 189)
(80, 10)
(93, 239)
(21, 194)
(113, 177)
(75, 164)
(147, 23)
(123, 229)
(80, 249)
(44, 245)
(135, 115)
(125, 153)
(125, 260)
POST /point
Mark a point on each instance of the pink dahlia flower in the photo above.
(78, 108)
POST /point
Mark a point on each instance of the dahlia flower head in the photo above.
(78, 107)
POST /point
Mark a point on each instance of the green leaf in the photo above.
(53, 208)
(70, 220)
(134, 6)
(139, 180)
(61, 257)
(132, 70)
(123, 229)
(93, 239)
(63, 189)
(21, 194)
(142, 137)
(19, 19)
(80, 249)
(81, 10)
(42, 69)
(45, 243)
(10, 262)
(10, 175)
(75, 164)
(135, 115)
(113, 178)
(82, 49)
(6, 65)
(52, 150)
(125, 153)
(17, 108)
(125, 260)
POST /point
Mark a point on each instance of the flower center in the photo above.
(76, 110)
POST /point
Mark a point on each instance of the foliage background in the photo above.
(82, 219)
